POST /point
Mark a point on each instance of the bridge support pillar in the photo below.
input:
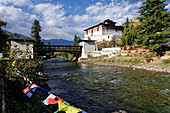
(88, 46)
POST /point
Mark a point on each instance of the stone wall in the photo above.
(23, 46)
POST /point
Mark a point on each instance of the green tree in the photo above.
(35, 29)
(3, 37)
(153, 21)
(131, 36)
(113, 43)
(129, 33)
(76, 40)
(124, 35)
(168, 28)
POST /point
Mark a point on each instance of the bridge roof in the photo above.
(59, 45)
(87, 40)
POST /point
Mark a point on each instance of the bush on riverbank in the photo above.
(69, 56)
(28, 66)
(15, 99)
(166, 61)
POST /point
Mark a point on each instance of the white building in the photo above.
(23, 47)
(104, 31)
(88, 46)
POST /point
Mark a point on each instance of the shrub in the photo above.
(130, 48)
(155, 48)
(149, 60)
(124, 48)
(28, 66)
(167, 61)
(148, 55)
(89, 56)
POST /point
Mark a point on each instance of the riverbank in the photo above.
(134, 63)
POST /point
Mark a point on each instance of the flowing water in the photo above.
(104, 89)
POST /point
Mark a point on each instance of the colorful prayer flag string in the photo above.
(51, 99)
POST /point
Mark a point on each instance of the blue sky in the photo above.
(62, 19)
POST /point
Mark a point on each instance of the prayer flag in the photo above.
(13, 63)
(29, 94)
(83, 111)
(68, 109)
(28, 89)
(51, 99)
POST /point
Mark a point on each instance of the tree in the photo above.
(168, 28)
(3, 37)
(124, 35)
(128, 33)
(153, 21)
(36, 28)
(113, 43)
(76, 40)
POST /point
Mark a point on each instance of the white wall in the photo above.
(96, 31)
(110, 52)
(103, 34)
(99, 38)
(111, 32)
(87, 47)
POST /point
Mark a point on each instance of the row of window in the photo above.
(88, 32)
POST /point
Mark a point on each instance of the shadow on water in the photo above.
(102, 89)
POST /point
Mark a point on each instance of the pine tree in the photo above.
(153, 21)
(168, 21)
(3, 37)
(129, 34)
(76, 40)
(124, 35)
(36, 28)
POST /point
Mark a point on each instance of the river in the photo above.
(104, 89)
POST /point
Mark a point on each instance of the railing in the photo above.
(57, 48)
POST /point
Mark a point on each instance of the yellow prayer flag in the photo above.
(68, 109)
(13, 63)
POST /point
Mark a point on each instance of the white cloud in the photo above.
(17, 2)
(118, 12)
(168, 7)
(33, 17)
(133, 1)
(17, 19)
(50, 13)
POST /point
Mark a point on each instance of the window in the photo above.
(97, 28)
(86, 32)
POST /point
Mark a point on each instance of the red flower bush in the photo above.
(124, 48)
(149, 60)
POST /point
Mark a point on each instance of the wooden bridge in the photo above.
(58, 48)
